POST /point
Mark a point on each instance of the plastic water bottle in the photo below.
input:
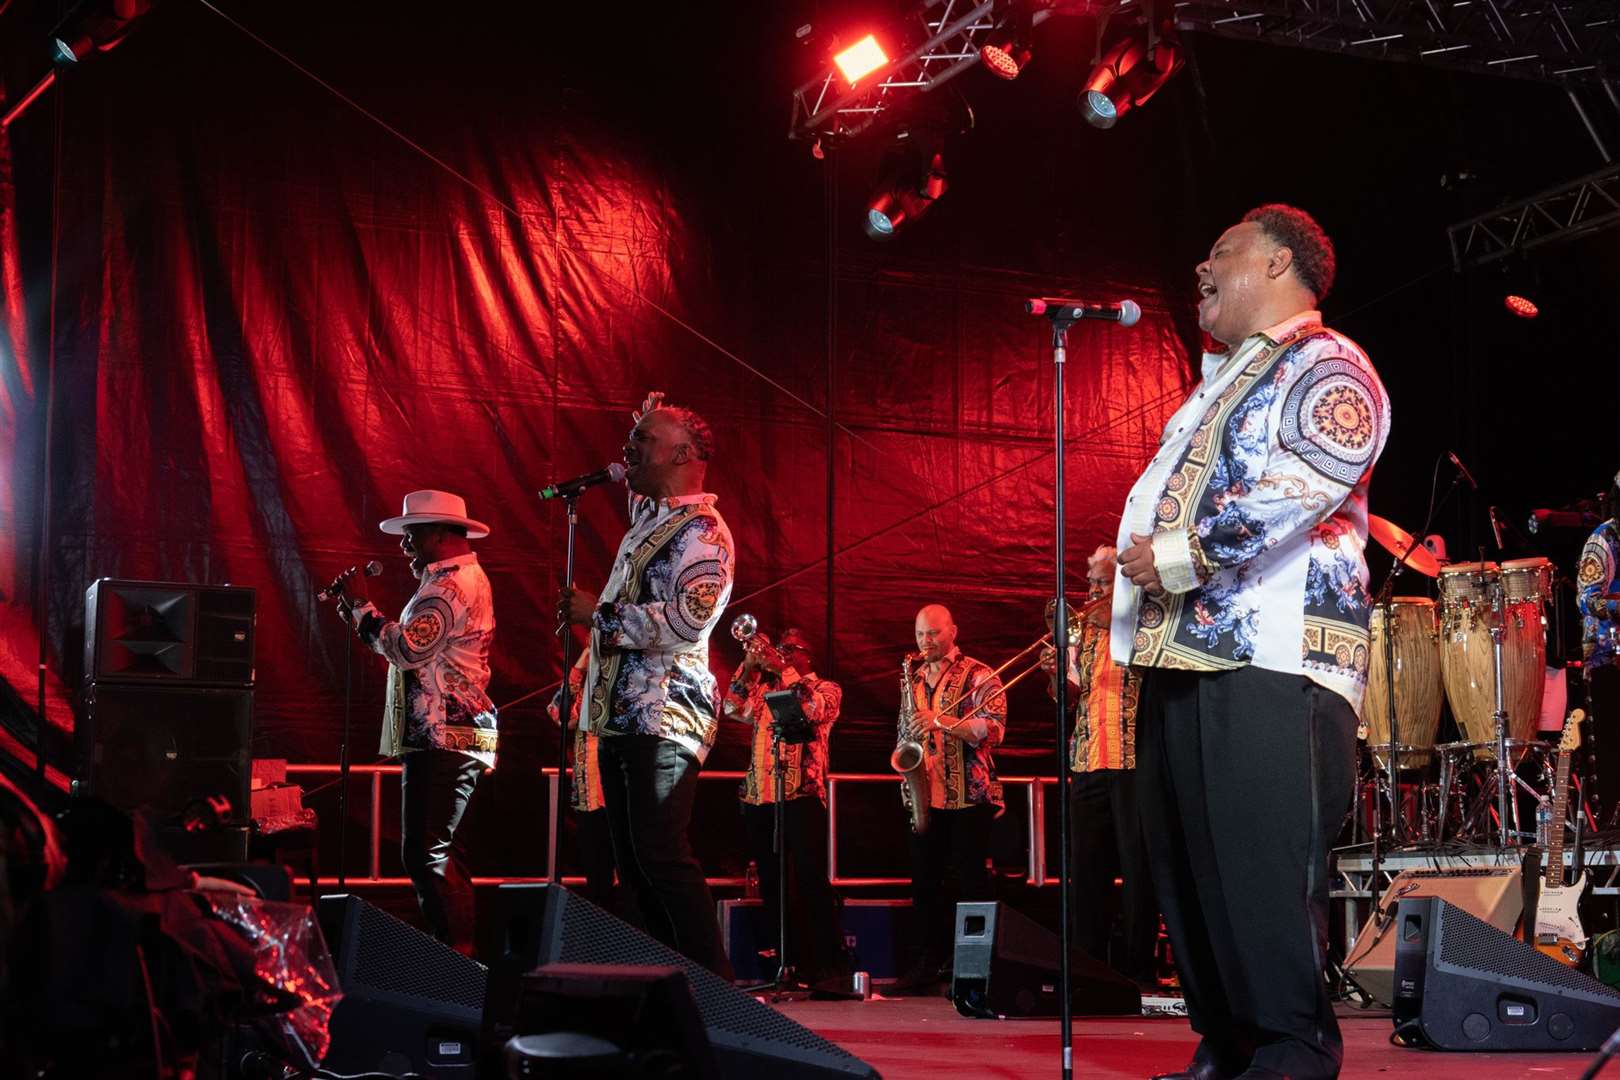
(1543, 824)
(751, 881)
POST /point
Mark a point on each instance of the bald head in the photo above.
(936, 632)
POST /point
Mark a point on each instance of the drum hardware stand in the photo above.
(1499, 716)
(1385, 600)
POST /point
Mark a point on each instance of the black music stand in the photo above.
(789, 727)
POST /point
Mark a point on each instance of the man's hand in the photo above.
(575, 606)
(1049, 659)
(922, 722)
(1137, 563)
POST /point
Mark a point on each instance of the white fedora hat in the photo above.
(422, 507)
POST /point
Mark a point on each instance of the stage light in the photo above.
(94, 25)
(1522, 306)
(861, 59)
(1126, 76)
(1007, 49)
(905, 195)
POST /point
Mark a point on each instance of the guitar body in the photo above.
(1558, 932)
(1558, 922)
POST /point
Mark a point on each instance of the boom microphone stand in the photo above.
(565, 703)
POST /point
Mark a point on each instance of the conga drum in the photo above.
(1416, 646)
(1466, 661)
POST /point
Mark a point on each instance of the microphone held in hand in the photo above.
(1126, 312)
(334, 590)
(614, 472)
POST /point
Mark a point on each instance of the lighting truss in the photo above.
(1560, 41)
(951, 33)
(1561, 213)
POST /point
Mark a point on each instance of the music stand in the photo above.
(789, 727)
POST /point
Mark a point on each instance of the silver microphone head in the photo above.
(1130, 313)
(373, 568)
(616, 471)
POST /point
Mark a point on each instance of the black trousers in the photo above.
(815, 944)
(1244, 778)
(594, 840)
(1105, 835)
(956, 840)
(649, 784)
(435, 786)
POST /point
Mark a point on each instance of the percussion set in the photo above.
(1482, 645)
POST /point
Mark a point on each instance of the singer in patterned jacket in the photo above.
(1242, 598)
(437, 720)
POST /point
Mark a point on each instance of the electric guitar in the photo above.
(1558, 931)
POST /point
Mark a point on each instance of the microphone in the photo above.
(1560, 519)
(1496, 526)
(614, 472)
(1126, 312)
(371, 569)
(1466, 475)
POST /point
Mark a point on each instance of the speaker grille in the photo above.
(398, 959)
(590, 935)
(1470, 943)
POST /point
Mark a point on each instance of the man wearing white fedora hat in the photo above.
(438, 720)
(649, 694)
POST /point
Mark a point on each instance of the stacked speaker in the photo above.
(168, 698)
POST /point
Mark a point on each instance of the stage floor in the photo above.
(925, 1039)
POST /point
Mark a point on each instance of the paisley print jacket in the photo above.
(1594, 579)
(649, 661)
(438, 655)
(1257, 504)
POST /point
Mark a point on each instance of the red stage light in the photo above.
(1522, 306)
(1004, 62)
(861, 59)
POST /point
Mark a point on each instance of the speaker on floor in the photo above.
(1006, 964)
(647, 1012)
(1462, 984)
(410, 1003)
(548, 924)
(1491, 893)
(166, 747)
(161, 631)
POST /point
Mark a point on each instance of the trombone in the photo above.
(1076, 622)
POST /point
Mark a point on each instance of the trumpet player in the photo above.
(1105, 828)
(799, 782)
(963, 793)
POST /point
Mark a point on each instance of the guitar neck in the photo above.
(1555, 827)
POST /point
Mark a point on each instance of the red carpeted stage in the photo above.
(925, 1038)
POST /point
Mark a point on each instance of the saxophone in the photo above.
(909, 759)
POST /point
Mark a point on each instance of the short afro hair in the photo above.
(1294, 229)
(697, 430)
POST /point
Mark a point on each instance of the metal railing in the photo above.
(1034, 811)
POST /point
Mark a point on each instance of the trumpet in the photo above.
(755, 642)
(1075, 623)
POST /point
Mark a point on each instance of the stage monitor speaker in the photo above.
(410, 1004)
(1491, 893)
(547, 924)
(165, 747)
(1006, 964)
(1462, 984)
(647, 1012)
(164, 632)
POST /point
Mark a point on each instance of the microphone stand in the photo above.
(343, 757)
(1386, 601)
(566, 705)
(1062, 319)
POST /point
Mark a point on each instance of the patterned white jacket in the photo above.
(1257, 504)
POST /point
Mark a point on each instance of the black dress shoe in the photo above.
(1197, 1070)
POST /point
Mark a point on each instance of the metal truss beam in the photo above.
(1586, 205)
(950, 31)
(1562, 41)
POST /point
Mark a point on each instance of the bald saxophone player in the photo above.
(964, 796)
